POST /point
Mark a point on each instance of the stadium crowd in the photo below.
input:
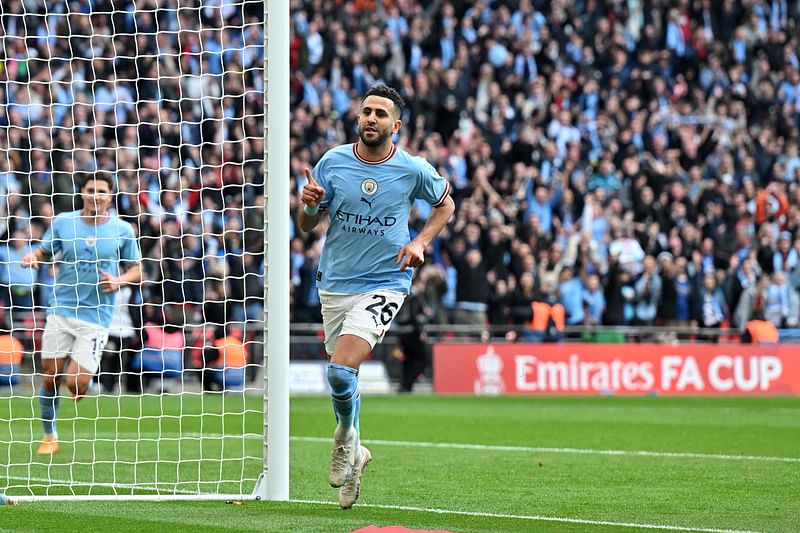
(636, 161)
(166, 94)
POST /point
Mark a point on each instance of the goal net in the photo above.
(168, 96)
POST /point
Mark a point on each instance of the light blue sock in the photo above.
(345, 395)
(357, 409)
(49, 404)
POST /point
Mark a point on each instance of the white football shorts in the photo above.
(366, 315)
(70, 337)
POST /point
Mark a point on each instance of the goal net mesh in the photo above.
(168, 96)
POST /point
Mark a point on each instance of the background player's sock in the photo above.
(49, 403)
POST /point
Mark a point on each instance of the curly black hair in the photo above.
(384, 91)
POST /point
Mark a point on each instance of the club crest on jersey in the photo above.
(369, 186)
(91, 241)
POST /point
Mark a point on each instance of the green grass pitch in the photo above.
(453, 463)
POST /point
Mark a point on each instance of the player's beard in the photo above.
(381, 138)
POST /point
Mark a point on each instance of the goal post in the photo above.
(186, 104)
(276, 294)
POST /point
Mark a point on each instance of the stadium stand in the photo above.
(144, 95)
(637, 162)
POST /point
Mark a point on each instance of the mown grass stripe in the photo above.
(580, 451)
(533, 518)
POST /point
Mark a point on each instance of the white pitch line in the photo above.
(533, 518)
(462, 446)
(580, 451)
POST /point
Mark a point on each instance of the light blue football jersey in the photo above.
(368, 204)
(82, 253)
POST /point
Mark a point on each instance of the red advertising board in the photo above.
(616, 369)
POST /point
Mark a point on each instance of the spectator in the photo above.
(571, 291)
(711, 308)
(413, 315)
(225, 360)
(594, 301)
(17, 284)
(648, 293)
(11, 352)
(472, 289)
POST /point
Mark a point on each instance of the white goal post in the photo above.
(186, 104)
(276, 294)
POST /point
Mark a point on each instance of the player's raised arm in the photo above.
(308, 215)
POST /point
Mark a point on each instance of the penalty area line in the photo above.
(134, 437)
(532, 518)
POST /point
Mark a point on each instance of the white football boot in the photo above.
(350, 491)
(342, 457)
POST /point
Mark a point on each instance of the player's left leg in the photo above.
(79, 380)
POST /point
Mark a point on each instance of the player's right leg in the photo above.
(57, 342)
(48, 403)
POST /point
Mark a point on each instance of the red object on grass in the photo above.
(396, 529)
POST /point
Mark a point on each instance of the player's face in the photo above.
(377, 121)
(96, 197)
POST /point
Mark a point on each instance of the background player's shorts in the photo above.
(80, 340)
(366, 315)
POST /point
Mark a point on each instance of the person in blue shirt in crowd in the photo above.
(17, 282)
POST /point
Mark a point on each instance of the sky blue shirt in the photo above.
(368, 205)
(571, 297)
(11, 270)
(82, 253)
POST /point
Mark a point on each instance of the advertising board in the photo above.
(616, 369)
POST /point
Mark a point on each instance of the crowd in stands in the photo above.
(167, 95)
(636, 161)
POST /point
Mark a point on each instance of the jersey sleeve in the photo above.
(431, 186)
(129, 247)
(320, 174)
(50, 243)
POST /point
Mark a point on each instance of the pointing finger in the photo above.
(310, 178)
